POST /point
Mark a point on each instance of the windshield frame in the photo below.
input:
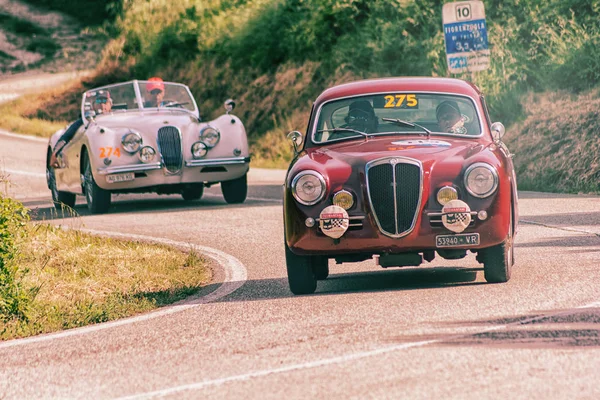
(140, 100)
(313, 128)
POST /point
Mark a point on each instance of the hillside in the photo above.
(276, 56)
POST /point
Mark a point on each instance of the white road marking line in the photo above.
(24, 137)
(336, 360)
(235, 277)
(26, 173)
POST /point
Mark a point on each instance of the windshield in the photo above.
(123, 97)
(397, 113)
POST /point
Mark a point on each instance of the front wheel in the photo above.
(236, 190)
(498, 260)
(98, 199)
(301, 275)
(321, 268)
(60, 199)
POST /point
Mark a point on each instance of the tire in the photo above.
(236, 190)
(193, 192)
(60, 199)
(498, 260)
(98, 199)
(320, 268)
(301, 276)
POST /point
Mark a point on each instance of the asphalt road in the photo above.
(438, 331)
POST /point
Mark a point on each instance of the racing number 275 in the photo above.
(398, 100)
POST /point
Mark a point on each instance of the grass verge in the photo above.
(78, 279)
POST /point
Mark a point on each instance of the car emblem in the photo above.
(394, 161)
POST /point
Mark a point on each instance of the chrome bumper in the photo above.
(158, 165)
(218, 162)
(129, 168)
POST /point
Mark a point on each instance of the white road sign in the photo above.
(465, 34)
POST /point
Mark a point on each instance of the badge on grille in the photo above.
(456, 215)
(333, 221)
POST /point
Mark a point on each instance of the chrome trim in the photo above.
(316, 175)
(355, 218)
(439, 214)
(489, 168)
(218, 161)
(399, 160)
(167, 172)
(318, 114)
(129, 168)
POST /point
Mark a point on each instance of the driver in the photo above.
(449, 117)
(156, 89)
(361, 117)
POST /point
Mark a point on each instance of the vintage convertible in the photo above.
(148, 136)
(399, 169)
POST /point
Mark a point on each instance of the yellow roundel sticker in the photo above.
(333, 221)
(456, 216)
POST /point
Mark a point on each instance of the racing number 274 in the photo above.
(108, 151)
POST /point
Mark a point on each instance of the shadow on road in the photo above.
(360, 282)
(565, 219)
(550, 329)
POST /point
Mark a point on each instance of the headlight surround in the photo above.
(147, 154)
(344, 199)
(131, 142)
(481, 180)
(199, 150)
(210, 136)
(446, 194)
(308, 187)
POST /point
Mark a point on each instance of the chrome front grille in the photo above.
(395, 187)
(169, 146)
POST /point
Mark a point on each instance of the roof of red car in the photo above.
(400, 84)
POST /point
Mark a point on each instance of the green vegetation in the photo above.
(276, 56)
(53, 279)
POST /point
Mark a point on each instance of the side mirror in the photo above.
(296, 138)
(89, 115)
(229, 105)
(498, 131)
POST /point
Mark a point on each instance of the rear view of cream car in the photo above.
(133, 142)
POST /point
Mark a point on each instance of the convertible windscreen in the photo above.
(397, 113)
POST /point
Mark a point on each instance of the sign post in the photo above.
(465, 34)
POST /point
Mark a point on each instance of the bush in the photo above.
(14, 299)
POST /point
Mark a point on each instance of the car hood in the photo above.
(446, 155)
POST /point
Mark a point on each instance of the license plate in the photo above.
(114, 178)
(461, 239)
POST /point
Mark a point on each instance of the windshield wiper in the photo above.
(345, 130)
(406, 123)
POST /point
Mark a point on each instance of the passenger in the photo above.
(102, 105)
(63, 140)
(156, 90)
(103, 102)
(361, 117)
(449, 117)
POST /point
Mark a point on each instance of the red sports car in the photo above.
(399, 169)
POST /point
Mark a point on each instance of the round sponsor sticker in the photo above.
(333, 221)
(456, 215)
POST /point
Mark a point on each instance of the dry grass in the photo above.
(557, 147)
(83, 279)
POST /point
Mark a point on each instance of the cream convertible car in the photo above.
(130, 143)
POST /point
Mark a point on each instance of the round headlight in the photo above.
(308, 187)
(131, 142)
(146, 154)
(210, 136)
(199, 150)
(481, 180)
(343, 199)
(446, 194)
